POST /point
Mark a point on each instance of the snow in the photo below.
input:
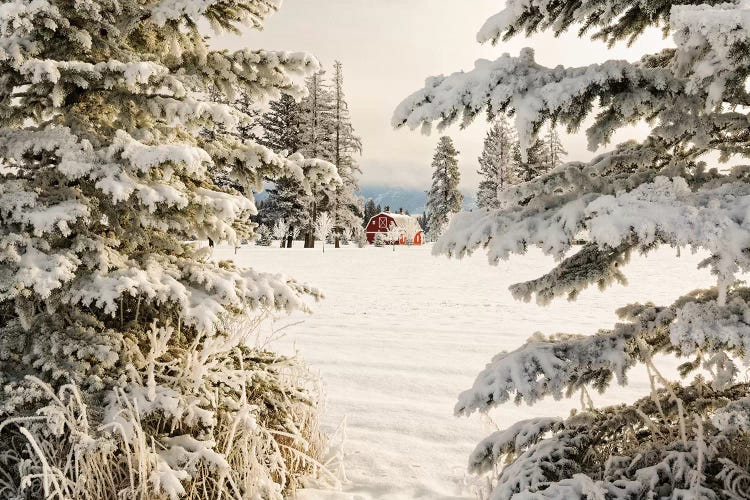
(393, 369)
(401, 220)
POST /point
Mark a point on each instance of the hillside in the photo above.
(411, 200)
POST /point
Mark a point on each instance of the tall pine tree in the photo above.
(496, 164)
(317, 138)
(345, 206)
(534, 164)
(282, 125)
(686, 438)
(370, 211)
(287, 200)
(443, 198)
(554, 150)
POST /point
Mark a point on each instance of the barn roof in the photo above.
(406, 222)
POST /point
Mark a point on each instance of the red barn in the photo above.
(407, 227)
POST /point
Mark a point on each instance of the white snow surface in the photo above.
(401, 334)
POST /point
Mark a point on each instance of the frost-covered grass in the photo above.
(402, 333)
(248, 427)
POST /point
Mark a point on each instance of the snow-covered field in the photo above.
(401, 333)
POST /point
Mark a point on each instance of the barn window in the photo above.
(383, 221)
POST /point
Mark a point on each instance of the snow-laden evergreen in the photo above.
(286, 202)
(443, 199)
(320, 127)
(282, 125)
(496, 163)
(370, 211)
(532, 162)
(317, 138)
(555, 151)
(686, 440)
(123, 348)
(346, 205)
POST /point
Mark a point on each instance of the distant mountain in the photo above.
(411, 200)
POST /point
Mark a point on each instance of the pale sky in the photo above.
(389, 47)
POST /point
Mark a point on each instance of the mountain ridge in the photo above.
(411, 200)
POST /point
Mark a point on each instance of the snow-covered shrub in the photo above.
(380, 239)
(684, 440)
(263, 236)
(121, 373)
(346, 236)
(359, 237)
(259, 437)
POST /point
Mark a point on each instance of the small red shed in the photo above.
(408, 228)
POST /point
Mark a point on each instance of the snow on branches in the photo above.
(117, 330)
(534, 93)
(664, 211)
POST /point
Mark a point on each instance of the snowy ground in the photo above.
(401, 333)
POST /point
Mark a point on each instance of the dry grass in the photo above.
(243, 424)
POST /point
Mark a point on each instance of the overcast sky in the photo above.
(389, 47)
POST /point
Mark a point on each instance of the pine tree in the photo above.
(496, 163)
(554, 149)
(345, 205)
(535, 163)
(370, 211)
(124, 360)
(282, 125)
(443, 198)
(287, 200)
(684, 439)
(423, 223)
(317, 142)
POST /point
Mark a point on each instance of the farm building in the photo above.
(405, 226)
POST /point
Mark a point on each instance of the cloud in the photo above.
(388, 48)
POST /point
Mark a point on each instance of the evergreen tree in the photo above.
(282, 125)
(535, 163)
(125, 366)
(422, 220)
(554, 149)
(686, 439)
(345, 204)
(248, 124)
(443, 198)
(287, 200)
(370, 211)
(317, 142)
(496, 164)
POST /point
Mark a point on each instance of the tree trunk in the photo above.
(289, 241)
(309, 240)
(337, 242)
(283, 243)
(310, 234)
